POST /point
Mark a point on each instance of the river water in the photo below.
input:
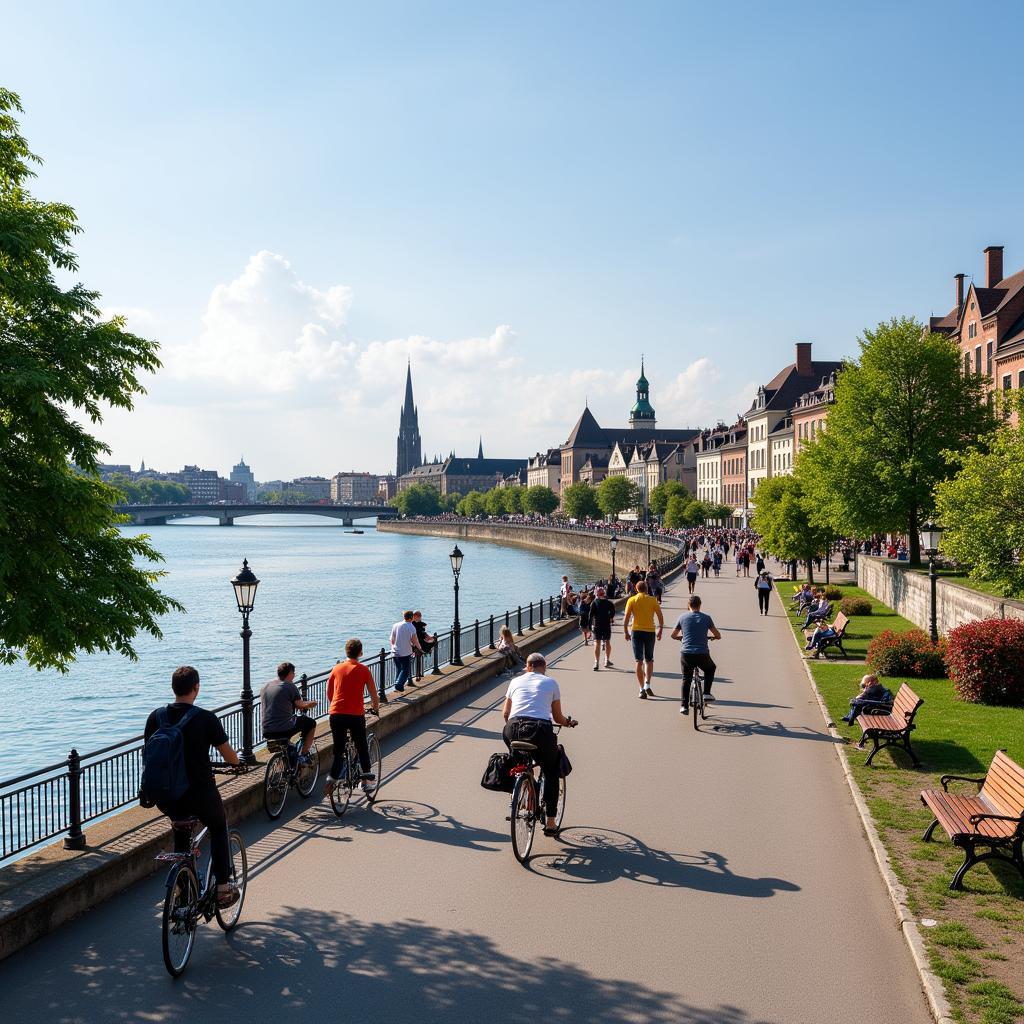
(319, 585)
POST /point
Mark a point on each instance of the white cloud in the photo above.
(274, 371)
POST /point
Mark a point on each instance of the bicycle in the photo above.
(527, 798)
(284, 771)
(697, 705)
(186, 902)
(351, 774)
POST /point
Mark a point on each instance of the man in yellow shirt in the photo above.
(641, 611)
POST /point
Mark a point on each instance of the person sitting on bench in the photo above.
(820, 613)
(872, 693)
(817, 640)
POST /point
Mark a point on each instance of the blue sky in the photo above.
(293, 199)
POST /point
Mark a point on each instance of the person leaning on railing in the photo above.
(347, 686)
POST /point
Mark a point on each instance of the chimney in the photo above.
(993, 265)
(803, 358)
(959, 278)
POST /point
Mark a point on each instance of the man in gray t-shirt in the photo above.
(693, 630)
(279, 700)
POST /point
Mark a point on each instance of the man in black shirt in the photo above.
(201, 800)
(602, 615)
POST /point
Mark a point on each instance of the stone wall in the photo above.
(592, 546)
(909, 593)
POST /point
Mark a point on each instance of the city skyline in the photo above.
(522, 203)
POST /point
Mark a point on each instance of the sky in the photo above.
(294, 200)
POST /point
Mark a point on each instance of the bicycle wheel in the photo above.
(308, 773)
(181, 916)
(275, 785)
(696, 697)
(341, 791)
(560, 810)
(228, 917)
(375, 767)
(524, 816)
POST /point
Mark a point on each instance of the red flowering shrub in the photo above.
(985, 660)
(907, 654)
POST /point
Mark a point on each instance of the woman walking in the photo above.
(763, 585)
(691, 571)
(585, 602)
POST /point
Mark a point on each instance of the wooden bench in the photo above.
(894, 728)
(993, 820)
(840, 624)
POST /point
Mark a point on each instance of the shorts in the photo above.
(643, 646)
(604, 635)
(302, 724)
(692, 577)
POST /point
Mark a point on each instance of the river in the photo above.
(319, 585)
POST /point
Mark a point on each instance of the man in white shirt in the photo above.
(404, 644)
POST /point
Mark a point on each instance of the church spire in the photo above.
(480, 450)
(409, 454)
(408, 407)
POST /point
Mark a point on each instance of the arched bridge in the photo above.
(160, 515)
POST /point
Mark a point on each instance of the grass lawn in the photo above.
(977, 945)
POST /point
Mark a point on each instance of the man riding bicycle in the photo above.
(201, 800)
(694, 628)
(279, 700)
(532, 703)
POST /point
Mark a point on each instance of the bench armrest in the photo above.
(947, 779)
(975, 818)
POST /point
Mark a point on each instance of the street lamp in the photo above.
(456, 560)
(244, 586)
(614, 542)
(931, 535)
(649, 546)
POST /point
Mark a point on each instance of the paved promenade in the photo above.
(719, 877)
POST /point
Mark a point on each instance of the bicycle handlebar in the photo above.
(229, 769)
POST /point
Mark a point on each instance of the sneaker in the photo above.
(608, 664)
(410, 683)
(368, 777)
(596, 667)
(684, 710)
(647, 688)
(399, 689)
(228, 896)
(642, 695)
(708, 699)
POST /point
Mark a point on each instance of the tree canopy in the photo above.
(899, 407)
(660, 495)
(418, 500)
(70, 581)
(579, 501)
(148, 491)
(540, 499)
(615, 494)
(783, 518)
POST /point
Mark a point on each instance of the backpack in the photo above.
(498, 773)
(164, 778)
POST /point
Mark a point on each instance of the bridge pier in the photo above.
(225, 520)
(346, 521)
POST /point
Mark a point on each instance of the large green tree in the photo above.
(70, 581)
(784, 519)
(615, 494)
(513, 499)
(540, 499)
(579, 501)
(660, 495)
(418, 500)
(982, 510)
(472, 505)
(147, 491)
(899, 408)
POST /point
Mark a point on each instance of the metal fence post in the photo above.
(519, 620)
(383, 677)
(507, 617)
(435, 671)
(540, 609)
(304, 686)
(75, 839)
(419, 665)
(491, 632)
(531, 615)
(476, 637)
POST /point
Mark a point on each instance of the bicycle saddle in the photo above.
(524, 746)
(185, 824)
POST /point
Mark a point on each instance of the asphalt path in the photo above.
(719, 877)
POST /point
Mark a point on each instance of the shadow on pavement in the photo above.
(724, 725)
(593, 855)
(416, 820)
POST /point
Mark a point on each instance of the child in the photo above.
(514, 659)
(872, 692)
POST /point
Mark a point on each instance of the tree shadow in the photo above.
(593, 855)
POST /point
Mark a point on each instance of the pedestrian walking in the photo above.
(602, 616)
(404, 645)
(764, 585)
(641, 611)
(584, 615)
(691, 571)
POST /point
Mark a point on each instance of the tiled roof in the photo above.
(787, 386)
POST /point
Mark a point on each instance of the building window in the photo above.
(988, 358)
(1020, 379)
(977, 359)
(972, 329)
(967, 363)
(1007, 382)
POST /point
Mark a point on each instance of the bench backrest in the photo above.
(1004, 785)
(906, 704)
(840, 624)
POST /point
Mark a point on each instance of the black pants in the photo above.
(762, 600)
(302, 724)
(688, 663)
(341, 726)
(206, 805)
(542, 734)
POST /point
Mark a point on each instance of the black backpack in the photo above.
(163, 762)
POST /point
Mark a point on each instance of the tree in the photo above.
(540, 499)
(660, 495)
(147, 491)
(982, 510)
(512, 499)
(719, 513)
(69, 579)
(579, 501)
(617, 493)
(472, 505)
(450, 502)
(784, 519)
(418, 500)
(676, 512)
(898, 409)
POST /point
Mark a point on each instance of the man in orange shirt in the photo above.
(346, 686)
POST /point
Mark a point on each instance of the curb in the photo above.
(934, 990)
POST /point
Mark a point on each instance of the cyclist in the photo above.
(201, 800)
(693, 629)
(641, 610)
(532, 702)
(346, 687)
(279, 700)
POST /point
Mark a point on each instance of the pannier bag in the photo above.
(498, 773)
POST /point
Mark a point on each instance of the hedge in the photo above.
(985, 660)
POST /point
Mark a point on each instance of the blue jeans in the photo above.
(403, 671)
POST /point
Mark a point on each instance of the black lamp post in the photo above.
(244, 585)
(648, 545)
(931, 535)
(456, 560)
(614, 542)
